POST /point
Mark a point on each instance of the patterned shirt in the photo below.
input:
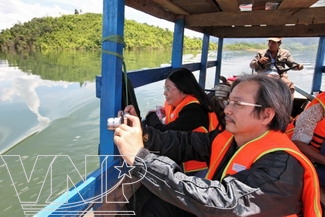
(306, 123)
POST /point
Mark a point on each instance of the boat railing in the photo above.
(147, 76)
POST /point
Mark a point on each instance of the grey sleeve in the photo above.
(263, 190)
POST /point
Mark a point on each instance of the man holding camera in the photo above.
(254, 169)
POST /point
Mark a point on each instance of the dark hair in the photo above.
(272, 93)
(186, 82)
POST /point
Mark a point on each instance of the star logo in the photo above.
(124, 169)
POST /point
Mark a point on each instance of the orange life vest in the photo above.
(250, 152)
(319, 132)
(172, 114)
(290, 128)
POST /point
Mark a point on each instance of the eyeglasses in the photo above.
(167, 89)
(238, 104)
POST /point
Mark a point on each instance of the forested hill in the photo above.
(84, 31)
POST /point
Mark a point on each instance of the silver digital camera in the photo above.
(113, 123)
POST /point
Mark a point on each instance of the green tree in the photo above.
(84, 32)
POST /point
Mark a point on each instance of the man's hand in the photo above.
(128, 139)
(300, 67)
(131, 110)
(263, 60)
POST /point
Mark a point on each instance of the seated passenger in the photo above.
(187, 108)
(254, 169)
(308, 133)
(273, 62)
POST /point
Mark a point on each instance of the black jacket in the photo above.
(190, 117)
(271, 187)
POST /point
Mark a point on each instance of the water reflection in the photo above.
(48, 106)
(23, 86)
(71, 66)
(38, 88)
(28, 102)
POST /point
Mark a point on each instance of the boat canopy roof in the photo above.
(241, 18)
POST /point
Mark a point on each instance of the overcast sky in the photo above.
(20, 11)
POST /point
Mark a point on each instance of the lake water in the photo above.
(48, 107)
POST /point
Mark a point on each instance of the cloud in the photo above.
(132, 14)
(20, 11)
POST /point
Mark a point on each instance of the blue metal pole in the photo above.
(204, 59)
(178, 41)
(108, 85)
(319, 65)
(219, 58)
